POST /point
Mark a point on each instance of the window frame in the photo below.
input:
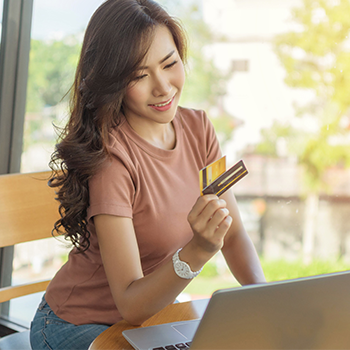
(14, 61)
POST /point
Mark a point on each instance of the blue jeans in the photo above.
(50, 332)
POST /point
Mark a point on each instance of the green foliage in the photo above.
(209, 270)
(318, 155)
(224, 124)
(205, 287)
(275, 270)
(278, 270)
(277, 132)
(51, 71)
(317, 57)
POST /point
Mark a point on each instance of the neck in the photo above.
(159, 135)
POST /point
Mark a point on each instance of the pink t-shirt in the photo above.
(156, 188)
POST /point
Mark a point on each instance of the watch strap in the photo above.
(182, 269)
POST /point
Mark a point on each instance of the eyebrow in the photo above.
(162, 61)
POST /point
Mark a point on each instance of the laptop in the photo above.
(305, 313)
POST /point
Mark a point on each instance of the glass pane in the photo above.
(57, 32)
(34, 261)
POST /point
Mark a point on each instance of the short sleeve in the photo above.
(212, 143)
(111, 190)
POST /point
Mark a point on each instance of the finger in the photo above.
(219, 216)
(223, 227)
(211, 208)
(215, 240)
(200, 205)
(200, 223)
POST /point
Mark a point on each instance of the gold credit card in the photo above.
(211, 172)
(226, 180)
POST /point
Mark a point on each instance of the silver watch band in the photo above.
(182, 269)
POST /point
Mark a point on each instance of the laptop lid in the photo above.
(306, 313)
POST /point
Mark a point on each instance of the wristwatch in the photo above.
(182, 269)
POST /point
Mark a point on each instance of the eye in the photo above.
(170, 65)
(140, 77)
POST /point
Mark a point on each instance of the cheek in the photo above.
(134, 95)
(180, 76)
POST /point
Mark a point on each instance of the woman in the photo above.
(129, 188)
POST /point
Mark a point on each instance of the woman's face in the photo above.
(154, 96)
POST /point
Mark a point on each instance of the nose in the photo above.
(162, 85)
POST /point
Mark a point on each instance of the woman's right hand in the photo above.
(210, 220)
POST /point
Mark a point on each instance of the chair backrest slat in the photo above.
(28, 211)
(28, 208)
(8, 293)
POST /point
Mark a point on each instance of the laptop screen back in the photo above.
(308, 313)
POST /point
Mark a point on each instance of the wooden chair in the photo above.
(28, 211)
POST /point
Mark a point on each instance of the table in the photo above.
(112, 338)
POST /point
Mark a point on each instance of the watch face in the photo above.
(182, 269)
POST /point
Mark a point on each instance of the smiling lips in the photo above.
(164, 106)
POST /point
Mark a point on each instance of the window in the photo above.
(57, 31)
(56, 36)
(240, 66)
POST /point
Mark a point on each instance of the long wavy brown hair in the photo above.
(116, 41)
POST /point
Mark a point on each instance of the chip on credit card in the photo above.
(211, 172)
(224, 181)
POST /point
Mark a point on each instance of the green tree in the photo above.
(316, 56)
(51, 71)
(293, 140)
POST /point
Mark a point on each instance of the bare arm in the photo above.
(139, 297)
(238, 249)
